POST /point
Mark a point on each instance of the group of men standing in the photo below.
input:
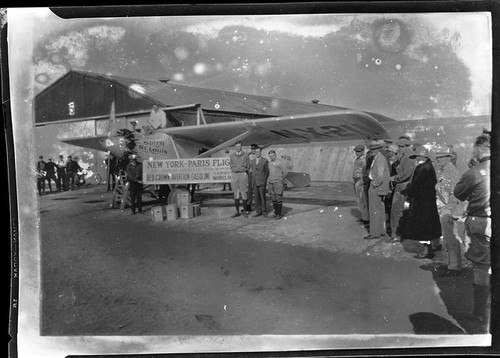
(442, 204)
(62, 172)
(251, 176)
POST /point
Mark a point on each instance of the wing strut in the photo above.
(226, 144)
(199, 116)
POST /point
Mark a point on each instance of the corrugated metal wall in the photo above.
(322, 161)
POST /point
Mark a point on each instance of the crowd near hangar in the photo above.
(78, 104)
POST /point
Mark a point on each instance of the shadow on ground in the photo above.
(457, 292)
(430, 323)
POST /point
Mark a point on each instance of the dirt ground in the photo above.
(107, 272)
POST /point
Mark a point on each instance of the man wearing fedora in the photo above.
(404, 171)
(474, 186)
(424, 224)
(357, 177)
(378, 190)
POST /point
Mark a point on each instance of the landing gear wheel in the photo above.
(95, 179)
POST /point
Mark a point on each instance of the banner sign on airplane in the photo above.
(183, 171)
(155, 147)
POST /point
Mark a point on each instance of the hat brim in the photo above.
(413, 156)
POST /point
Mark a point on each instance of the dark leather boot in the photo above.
(279, 208)
(237, 206)
(273, 214)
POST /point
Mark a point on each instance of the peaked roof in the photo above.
(172, 94)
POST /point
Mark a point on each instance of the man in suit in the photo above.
(250, 199)
(40, 175)
(378, 190)
(260, 173)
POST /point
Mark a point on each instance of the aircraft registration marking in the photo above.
(327, 131)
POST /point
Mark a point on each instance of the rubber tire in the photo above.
(95, 179)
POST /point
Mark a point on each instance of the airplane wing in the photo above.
(304, 128)
(97, 142)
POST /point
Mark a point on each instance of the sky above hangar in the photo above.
(406, 66)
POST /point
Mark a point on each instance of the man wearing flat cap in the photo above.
(357, 177)
(378, 190)
(404, 171)
(424, 222)
(474, 186)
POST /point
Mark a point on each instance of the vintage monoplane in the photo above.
(173, 147)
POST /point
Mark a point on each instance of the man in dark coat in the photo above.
(134, 178)
(51, 169)
(61, 173)
(112, 164)
(423, 223)
(40, 175)
(260, 173)
(72, 168)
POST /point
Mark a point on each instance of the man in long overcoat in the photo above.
(423, 223)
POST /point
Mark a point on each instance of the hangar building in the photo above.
(78, 104)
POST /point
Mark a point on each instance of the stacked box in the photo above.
(186, 211)
(172, 212)
(158, 213)
(196, 210)
(183, 199)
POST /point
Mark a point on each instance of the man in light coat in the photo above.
(379, 188)
(357, 177)
(240, 165)
(448, 206)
